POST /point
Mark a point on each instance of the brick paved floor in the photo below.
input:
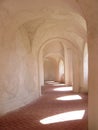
(30, 116)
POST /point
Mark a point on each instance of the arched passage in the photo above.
(50, 69)
(41, 24)
(72, 71)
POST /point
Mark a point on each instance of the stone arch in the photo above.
(26, 16)
(68, 44)
(56, 56)
(63, 41)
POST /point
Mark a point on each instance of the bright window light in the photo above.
(86, 65)
(67, 116)
(71, 97)
(61, 68)
(63, 89)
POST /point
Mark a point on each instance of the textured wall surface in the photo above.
(16, 75)
(50, 70)
(90, 8)
(25, 28)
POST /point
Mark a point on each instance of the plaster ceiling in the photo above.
(50, 18)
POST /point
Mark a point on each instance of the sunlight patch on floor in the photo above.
(49, 82)
(70, 97)
(63, 89)
(67, 116)
(59, 84)
(54, 83)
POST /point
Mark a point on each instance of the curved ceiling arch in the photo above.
(62, 26)
(56, 56)
(16, 22)
(53, 48)
(80, 18)
(62, 42)
(71, 23)
(42, 6)
(75, 37)
(25, 15)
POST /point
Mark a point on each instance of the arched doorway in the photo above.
(85, 67)
(50, 69)
(61, 71)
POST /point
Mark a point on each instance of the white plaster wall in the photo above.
(70, 65)
(93, 64)
(76, 73)
(50, 70)
(73, 67)
(16, 75)
(90, 9)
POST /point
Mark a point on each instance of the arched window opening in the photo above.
(61, 71)
(86, 66)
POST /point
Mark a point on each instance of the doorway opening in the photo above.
(61, 71)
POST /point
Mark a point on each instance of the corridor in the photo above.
(59, 108)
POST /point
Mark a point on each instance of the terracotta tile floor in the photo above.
(29, 117)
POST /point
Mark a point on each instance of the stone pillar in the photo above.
(93, 83)
(68, 66)
(93, 64)
(90, 8)
(76, 74)
(41, 70)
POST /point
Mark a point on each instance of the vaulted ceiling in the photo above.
(44, 20)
